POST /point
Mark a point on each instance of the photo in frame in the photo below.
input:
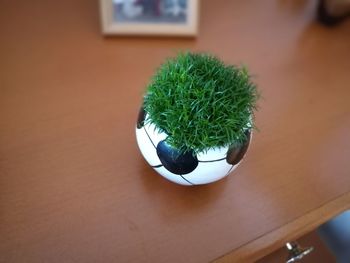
(149, 17)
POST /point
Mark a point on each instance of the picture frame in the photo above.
(149, 17)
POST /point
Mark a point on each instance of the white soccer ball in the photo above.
(188, 168)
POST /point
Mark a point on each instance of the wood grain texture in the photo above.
(73, 185)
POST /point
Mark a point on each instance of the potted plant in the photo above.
(196, 121)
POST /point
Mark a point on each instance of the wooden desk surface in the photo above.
(73, 185)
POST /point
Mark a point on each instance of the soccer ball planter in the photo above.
(177, 147)
(186, 168)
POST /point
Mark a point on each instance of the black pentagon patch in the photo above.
(141, 118)
(175, 161)
(236, 153)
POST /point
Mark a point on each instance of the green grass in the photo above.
(200, 102)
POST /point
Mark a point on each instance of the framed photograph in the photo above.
(149, 17)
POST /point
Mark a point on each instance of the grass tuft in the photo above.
(200, 102)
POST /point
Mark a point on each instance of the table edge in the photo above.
(276, 238)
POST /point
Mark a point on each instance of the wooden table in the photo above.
(73, 185)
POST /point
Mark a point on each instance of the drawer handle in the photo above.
(296, 252)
